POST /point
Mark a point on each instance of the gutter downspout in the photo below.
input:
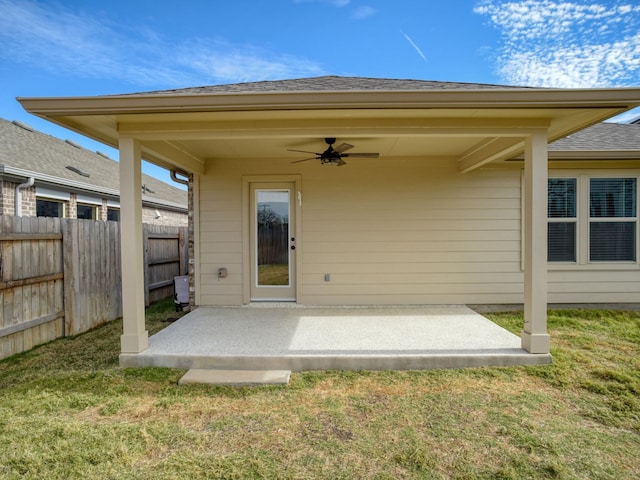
(175, 178)
(18, 200)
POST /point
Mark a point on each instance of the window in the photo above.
(612, 219)
(562, 220)
(49, 208)
(87, 212)
(603, 230)
(113, 214)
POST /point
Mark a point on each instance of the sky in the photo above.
(92, 47)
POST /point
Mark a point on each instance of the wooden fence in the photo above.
(63, 277)
(166, 255)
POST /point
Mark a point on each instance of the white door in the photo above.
(273, 243)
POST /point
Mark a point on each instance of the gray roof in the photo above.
(23, 148)
(331, 84)
(601, 137)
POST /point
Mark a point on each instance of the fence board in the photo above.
(63, 277)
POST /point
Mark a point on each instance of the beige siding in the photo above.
(420, 234)
(594, 286)
(403, 231)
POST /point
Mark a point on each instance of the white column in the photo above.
(535, 338)
(135, 337)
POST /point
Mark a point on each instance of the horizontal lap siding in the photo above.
(221, 236)
(594, 286)
(422, 234)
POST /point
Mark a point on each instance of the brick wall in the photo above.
(149, 215)
(28, 202)
(166, 217)
(8, 196)
(71, 208)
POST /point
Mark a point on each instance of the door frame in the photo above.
(296, 205)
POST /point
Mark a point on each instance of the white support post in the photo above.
(535, 338)
(135, 337)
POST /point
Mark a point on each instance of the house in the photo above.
(47, 177)
(349, 191)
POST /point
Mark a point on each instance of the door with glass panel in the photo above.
(273, 243)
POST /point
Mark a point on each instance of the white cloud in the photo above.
(566, 44)
(224, 62)
(68, 43)
(363, 12)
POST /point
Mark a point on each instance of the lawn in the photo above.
(68, 411)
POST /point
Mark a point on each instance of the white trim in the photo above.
(583, 220)
(43, 192)
(88, 200)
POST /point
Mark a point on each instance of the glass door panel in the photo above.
(272, 210)
(272, 242)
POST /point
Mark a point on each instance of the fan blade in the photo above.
(306, 159)
(303, 151)
(361, 155)
(343, 147)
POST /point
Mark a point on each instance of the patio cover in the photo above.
(473, 124)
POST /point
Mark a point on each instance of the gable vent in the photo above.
(78, 171)
(24, 126)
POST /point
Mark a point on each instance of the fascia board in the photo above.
(74, 186)
(165, 103)
(595, 154)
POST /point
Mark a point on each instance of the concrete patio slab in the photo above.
(300, 338)
(236, 377)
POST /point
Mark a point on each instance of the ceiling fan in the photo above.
(334, 156)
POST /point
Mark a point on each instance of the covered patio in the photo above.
(445, 202)
(298, 338)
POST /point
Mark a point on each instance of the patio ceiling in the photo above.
(471, 127)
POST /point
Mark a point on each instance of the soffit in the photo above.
(184, 132)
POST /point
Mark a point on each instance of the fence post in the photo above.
(71, 272)
(182, 252)
(145, 256)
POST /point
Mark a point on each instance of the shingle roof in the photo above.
(601, 137)
(333, 84)
(33, 151)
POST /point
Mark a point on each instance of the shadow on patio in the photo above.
(299, 338)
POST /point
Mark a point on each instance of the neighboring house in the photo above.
(48, 177)
(452, 211)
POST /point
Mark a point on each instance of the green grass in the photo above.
(68, 411)
(273, 274)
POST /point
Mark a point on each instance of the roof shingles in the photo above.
(37, 152)
(601, 137)
(330, 83)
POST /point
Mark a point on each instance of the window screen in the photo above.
(113, 214)
(49, 208)
(612, 222)
(561, 209)
(86, 212)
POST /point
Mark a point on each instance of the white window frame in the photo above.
(55, 200)
(584, 220)
(94, 209)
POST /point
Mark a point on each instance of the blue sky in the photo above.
(91, 47)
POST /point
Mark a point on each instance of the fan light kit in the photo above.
(334, 156)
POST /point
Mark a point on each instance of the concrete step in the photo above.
(236, 377)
